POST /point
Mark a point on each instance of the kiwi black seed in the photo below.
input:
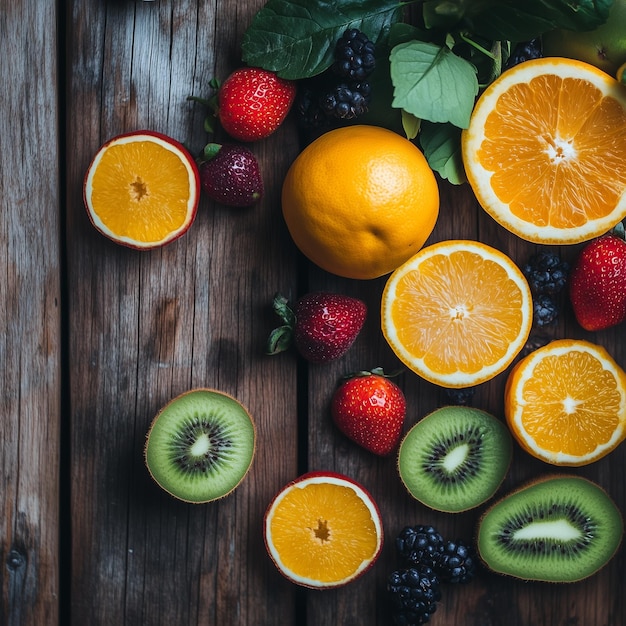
(560, 528)
(455, 458)
(200, 445)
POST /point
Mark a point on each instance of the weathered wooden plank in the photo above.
(147, 326)
(30, 310)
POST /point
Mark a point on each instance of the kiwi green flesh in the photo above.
(200, 446)
(455, 458)
(561, 529)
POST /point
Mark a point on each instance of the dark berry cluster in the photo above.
(346, 101)
(547, 276)
(426, 561)
(343, 92)
(524, 51)
(414, 592)
(462, 396)
(354, 56)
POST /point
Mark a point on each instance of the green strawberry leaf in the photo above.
(210, 150)
(433, 83)
(295, 38)
(281, 338)
(441, 144)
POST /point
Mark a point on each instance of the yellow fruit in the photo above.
(323, 530)
(142, 190)
(360, 200)
(545, 151)
(565, 403)
(457, 313)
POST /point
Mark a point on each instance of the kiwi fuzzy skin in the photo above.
(156, 417)
(523, 487)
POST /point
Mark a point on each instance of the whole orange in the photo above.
(360, 200)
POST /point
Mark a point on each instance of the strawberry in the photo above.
(322, 326)
(230, 174)
(598, 283)
(252, 103)
(370, 409)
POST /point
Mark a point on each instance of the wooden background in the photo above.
(96, 338)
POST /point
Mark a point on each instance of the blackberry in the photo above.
(346, 101)
(414, 593)
(524, 51)
(457, 563)
(419, 545)
(461, 396)
(354, 56)
(545, 311)
(309, 112)
(546, 273)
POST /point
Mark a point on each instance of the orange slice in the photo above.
(457, 313)
(142, 190)
(545, 151)
(565, 403)
(323, 530)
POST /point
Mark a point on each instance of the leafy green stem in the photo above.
(477, 46)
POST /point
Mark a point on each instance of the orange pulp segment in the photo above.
(545, 151)
(565, 403)
(142, 190)
(457, 313)
(323, 531)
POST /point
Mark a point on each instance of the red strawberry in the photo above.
(252, 103)
(598, 283)
(322, 326)
(370, 409)
(230, 174)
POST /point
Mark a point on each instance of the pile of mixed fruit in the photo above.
(348, 63)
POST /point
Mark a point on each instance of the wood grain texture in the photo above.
(148, 326)
(30, 305)
(137, 328)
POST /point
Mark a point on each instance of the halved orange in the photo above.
(545, 151)
(565, 403)
(457, 313)
(323, 530)
(142, 189)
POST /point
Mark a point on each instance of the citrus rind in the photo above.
(160, 178)
(613, 395)
(305, 535)
(359, 201)
(442, 322)
(598, 214)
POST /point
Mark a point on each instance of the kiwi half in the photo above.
(200, 445)
(455, 458)
(556, 529)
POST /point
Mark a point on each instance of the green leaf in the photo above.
(441, 144)
(433, 83)
(211, 150)
(521, 20)
(295, 38)
(443, 14)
